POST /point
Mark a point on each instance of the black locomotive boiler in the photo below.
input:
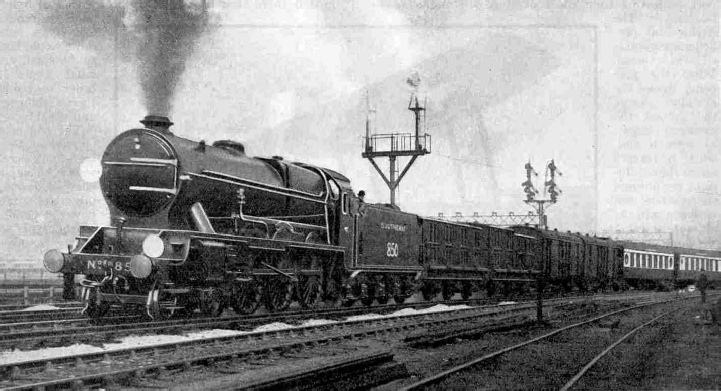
(205, 227)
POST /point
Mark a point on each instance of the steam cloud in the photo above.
(158, 35)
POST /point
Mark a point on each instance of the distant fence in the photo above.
(28, 295)
(29, 285)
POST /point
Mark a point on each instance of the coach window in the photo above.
(627, 259)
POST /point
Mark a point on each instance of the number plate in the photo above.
(104, 263)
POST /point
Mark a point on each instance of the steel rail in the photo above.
(52, 332)
(219, 348)
(196, 351)
(240, 322)
(26, 316)
(291, 338)
(593, 362)
(440, 376)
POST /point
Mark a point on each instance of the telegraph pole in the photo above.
(550, 188)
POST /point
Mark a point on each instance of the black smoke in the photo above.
(168, 32)
(157, 35)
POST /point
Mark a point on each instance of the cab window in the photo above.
(344, 204)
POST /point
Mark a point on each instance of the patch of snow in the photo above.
(317, 322)
(365, 317)
(41, 307)
(410, 311)
(215, 333)
(273, 327)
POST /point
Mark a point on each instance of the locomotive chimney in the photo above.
(157, 122)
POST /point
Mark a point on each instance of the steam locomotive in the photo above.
(200, 227)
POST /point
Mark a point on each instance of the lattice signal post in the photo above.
(550, 188)
(395, 145)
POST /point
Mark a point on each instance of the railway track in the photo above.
(108, 367)
(9, 308)
(441, 379)
(21, 317)
(40, 329)
(599, 356)
(79, 330)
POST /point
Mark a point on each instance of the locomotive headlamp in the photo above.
(140, 266)
(53, 261)
(153, 246)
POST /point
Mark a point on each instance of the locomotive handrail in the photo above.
(247, 182)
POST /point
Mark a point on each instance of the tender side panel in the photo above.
(388, 238)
